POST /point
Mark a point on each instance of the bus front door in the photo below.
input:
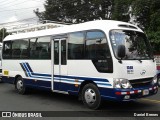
(59, 60)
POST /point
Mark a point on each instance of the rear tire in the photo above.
(91, 96)
(19, 86)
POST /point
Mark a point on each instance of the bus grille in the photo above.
(141, 82)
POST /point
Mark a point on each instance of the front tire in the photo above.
(158, 81)
(1, 80)
(19, 86)
(91, 96)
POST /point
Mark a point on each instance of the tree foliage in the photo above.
(147, 14)
(3, 34)
(144, 13)
(75, 11)
(121, 10)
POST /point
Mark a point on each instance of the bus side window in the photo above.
(76, 45)
(18, 47)
(40, 48)
(24, 48)
(96, 45)
(44, 43)
(97, 50)
(33, 52)
(63, 52)
(56, 52)
(7, 50)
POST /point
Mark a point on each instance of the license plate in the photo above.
(145, 92)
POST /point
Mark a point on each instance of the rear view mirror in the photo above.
(121, 51)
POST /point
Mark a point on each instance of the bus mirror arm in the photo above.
(120, 61)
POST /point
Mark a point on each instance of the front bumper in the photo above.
(135, 93)
(129, 94)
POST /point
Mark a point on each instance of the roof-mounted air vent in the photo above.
(127, 26)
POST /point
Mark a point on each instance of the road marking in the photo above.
(155, 101)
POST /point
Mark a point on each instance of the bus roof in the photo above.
(98, 24)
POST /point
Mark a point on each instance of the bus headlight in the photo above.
(125, 83)
(154, 80)
(121, 83)
(116, 83)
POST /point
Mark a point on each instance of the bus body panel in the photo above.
(134, 69)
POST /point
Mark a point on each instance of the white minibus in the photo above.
(97, 60)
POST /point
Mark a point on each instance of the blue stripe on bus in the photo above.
(39, 74)
(104, 84)
(70, 77)
(29, 67)
(26, 70)
(40, 77)
(36, 74)
(72, 81)
(82, 78)
(46, 76)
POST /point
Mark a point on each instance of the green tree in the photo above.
(75, 11)
(147, 14)
(144, 12)
(121, 10)
(141, 10)
(3, 34)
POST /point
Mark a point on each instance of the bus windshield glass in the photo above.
(136, 44)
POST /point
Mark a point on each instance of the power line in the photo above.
(17, 4)
(6, 3)
(81, 6)
(32, 18)
(10, 11)
(18, 9)
(17, 14)
(37, 0)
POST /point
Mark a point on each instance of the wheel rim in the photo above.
(19, 85)
(90, 96)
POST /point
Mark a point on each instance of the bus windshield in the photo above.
(136, 44)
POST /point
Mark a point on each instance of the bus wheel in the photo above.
(91, 96)
(158, 81)
(19, 85)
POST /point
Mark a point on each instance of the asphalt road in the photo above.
(37, 100)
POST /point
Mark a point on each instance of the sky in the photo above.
(15, 10)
